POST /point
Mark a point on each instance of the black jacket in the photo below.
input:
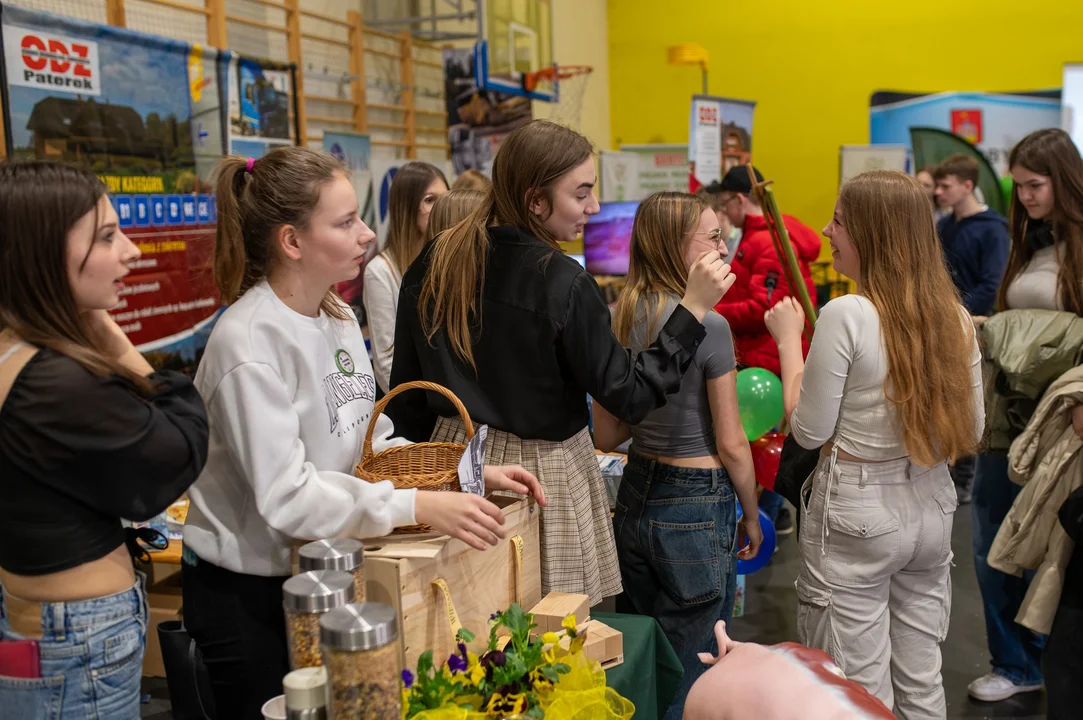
(543, 345)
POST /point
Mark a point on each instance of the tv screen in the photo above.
(607, 237)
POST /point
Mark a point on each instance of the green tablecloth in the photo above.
(651, 670)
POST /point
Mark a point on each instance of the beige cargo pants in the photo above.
(874, 591)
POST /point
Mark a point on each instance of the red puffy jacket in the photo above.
(757, 266)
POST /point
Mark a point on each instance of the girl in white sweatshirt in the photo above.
(289, 390)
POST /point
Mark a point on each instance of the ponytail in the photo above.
(230, 258)
(456, 273)
(257, 197)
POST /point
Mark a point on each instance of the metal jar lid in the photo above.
(318, 591)
(334, 554)
(360, 626)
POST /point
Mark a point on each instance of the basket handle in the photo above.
(415, 385)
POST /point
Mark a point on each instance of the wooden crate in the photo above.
(417, 575)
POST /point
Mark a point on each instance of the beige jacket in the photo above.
(1046, 460)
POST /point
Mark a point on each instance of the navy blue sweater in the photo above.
(976, 250)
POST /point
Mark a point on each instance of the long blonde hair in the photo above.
(929, 344)
(404, 238)
(452, 208)
(656, 268)
(531, 160)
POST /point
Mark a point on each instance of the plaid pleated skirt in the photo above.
(578, 553)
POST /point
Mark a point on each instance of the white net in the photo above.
(568, 107)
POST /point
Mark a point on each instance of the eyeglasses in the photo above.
(715, 236)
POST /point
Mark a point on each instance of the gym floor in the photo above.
(770, 617)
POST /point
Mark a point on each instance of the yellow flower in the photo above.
(569, 624)
(477, 673)
(577, 643)
(539, 682)
(515, 704)
(405, 702)
(550, 655)
(495, 705)
(550, 638)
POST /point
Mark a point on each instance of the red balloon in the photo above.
(766, 454)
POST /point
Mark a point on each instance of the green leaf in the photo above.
(464, 636)
(536, 712)
(424, 664)
(561, 668)
(551, 673)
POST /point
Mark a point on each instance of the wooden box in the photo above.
(437, 583)
(554, 607)
(604, 644)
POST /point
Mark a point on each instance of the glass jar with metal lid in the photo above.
(344, 554)
(305, 598)
(361, 654)
(306, 694)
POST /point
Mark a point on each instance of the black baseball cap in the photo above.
(736, 181)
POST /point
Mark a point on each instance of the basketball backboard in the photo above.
(516, 38)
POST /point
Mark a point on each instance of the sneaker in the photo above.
(784, 523)
(994, 688)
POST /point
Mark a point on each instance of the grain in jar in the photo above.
(305, 598)
(361, 654)
(346, 554)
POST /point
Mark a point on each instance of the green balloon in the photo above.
(1007, 186)
(759, 398)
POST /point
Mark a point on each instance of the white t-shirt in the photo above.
(381, 297)
(1035, 287)
(289, 399)
(843, 384)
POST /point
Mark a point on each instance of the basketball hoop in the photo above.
(569, 83)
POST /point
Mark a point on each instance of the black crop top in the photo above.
(78, 452)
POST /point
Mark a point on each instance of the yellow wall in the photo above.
(580, 38)
(812, 65)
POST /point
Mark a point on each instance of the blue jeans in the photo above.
(772, 504)
(91, 660)
(675, 531)
(1016, 651)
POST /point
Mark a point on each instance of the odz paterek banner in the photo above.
(145, 114)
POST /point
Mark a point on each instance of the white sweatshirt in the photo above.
(380, 293)
(289, 399)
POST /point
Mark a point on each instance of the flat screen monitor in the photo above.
(607, 238)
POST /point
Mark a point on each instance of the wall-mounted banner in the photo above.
(719, 137)
(992, 122)
(355, 152)
(660, 167)
(857, 159)
(144, 113)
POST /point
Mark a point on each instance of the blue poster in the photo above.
(355, 152)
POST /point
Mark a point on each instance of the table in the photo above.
(651, 671)
(170, 556)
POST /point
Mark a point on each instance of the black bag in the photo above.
(189, 684)
(794, 467)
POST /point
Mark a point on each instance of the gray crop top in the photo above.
(683, 426)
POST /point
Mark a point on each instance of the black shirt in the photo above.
(544, 343)
(78, 452)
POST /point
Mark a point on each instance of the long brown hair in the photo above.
(530, 162)
(928, 340)
(283, 188)
(472, 180)
(1051, 153)
(404, 238)
(656, 268)
(452, 208)
(40, 202)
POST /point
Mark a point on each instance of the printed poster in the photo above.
(143, 113)
(620, 176)
(992, 122)
(355, 152)
(260, 101)
(719, 137)
(659, 167)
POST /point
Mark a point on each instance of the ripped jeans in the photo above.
(874, 591)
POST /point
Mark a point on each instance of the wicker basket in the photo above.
(425, 466)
